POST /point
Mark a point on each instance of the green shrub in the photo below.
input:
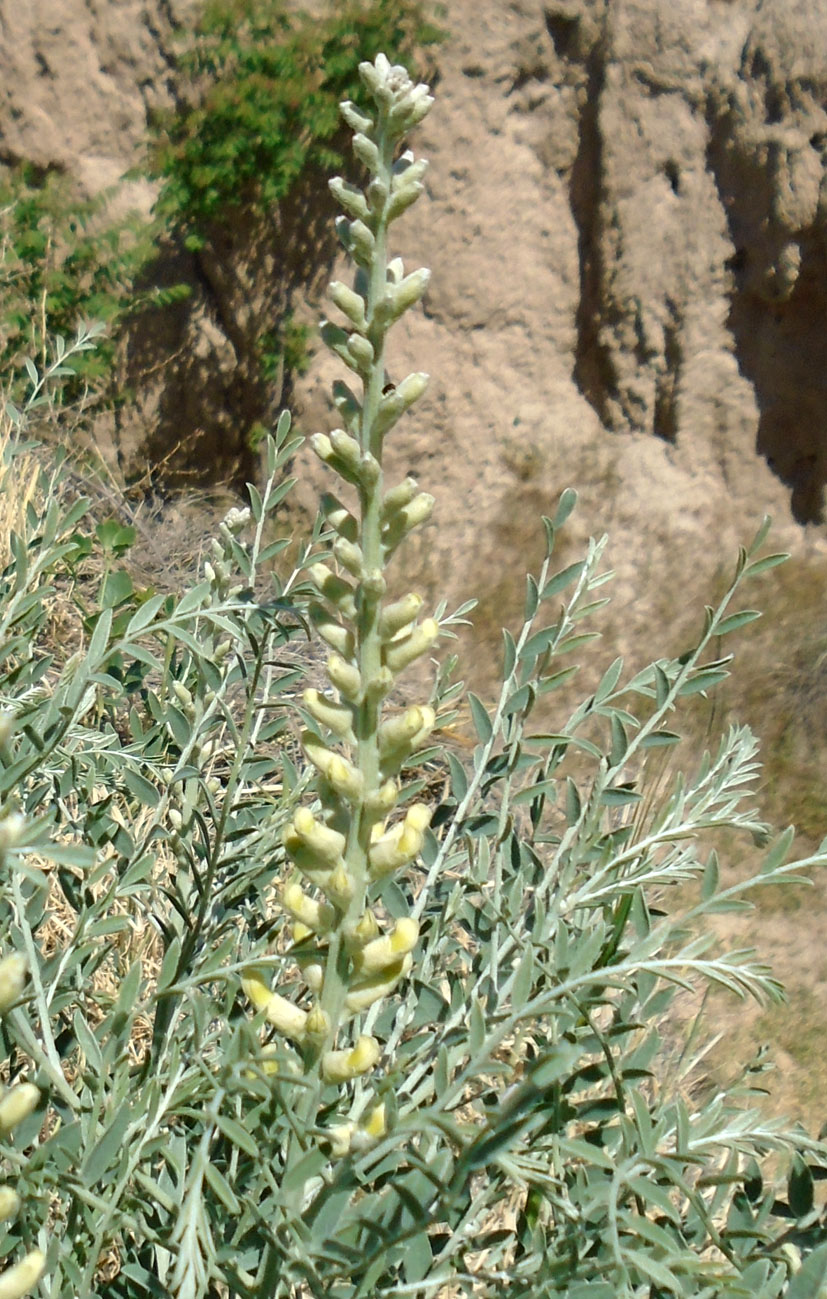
(63, 260)
(301, 1026)
(265, 84)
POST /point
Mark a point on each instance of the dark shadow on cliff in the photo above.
(777, 318)
(196, 363)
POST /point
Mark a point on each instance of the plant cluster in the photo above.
(264, 85)
(295, 1025)
(64, 260)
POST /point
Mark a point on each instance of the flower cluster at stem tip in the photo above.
(365, 827)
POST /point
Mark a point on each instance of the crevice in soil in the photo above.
(777, 327)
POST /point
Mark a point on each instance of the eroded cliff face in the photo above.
(626, 227)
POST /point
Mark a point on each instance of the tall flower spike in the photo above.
(343, 847)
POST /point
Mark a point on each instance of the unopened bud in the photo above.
(21, 1279)
(365, 992)
(366, 151)
(345, 677)
(386, 951)
(341, 1066)
(398, 615)
(403, 198)
(16, 1105)
(349, 555)
(339, 886)
(399, 653)
(349, 197)
(327, 845)
(382, 800)
(362, 243)
(356, 120)
(339, 517)
(335, 589)
(349, 303)
(12, 980)
(393, 406)
(318, 917)
(339, 638)
(398, 497)
(398, 732)
(285, 1017)
(9, 1203)
(360, 353)
(11, 831)
(317, 1027)
(336, 717)
(405, 520)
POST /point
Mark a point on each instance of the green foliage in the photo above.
(265, 85)
(63, 261)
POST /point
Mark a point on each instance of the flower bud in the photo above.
(340, 518)
(400, 614)
(349, 555)
(183, 695)
(365, 992)
(345, 779)
(365, 929)
(356, 120)
(285, 1017)
(347, 449)
(319, 917)
(9, 1203)
(340, 1136)
(397, 733)
(381, 953)
(16, 1105)
(408, 169)
(341, 1066)
(339, 886)
(366, 151)
(382, 800)
(12, 980)
(345, 677)
(349, 407)
(401, 845)
(336, 717)
(11, 831)
(349, 303)
(398, 497)
(393, 406)
(377, 193)
(255, 980)
(339, 638)
(362, 243)
(409, 291)
(404, 198)
(380, 685)
(405, 520)
(360, 353)
(326, 844)
(313, 975)
(399, 653)
(21, 1279)
(318, 1024)
(349, 197)
(334, 589)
